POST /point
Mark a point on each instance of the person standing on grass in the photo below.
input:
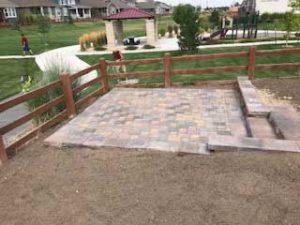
(25, 45)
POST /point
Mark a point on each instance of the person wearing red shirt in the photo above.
(25, 45)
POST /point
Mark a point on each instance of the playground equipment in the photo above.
(248, 25)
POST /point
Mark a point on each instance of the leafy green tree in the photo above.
(205, 24)
(43, 26)
(188, 19)
(289, 20)
(215, 18)
(295, 4)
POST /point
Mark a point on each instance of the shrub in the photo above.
(170, 30)
(148, 47)
(95, 39)
(175, 27)
(46, 78)
(162, 32)
(131, 47)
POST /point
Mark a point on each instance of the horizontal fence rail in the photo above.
(70, 93)
(210, 56)
(207, 70)
(28, 96)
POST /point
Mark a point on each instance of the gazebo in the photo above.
(114, 26)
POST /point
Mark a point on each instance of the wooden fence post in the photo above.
(167, 62)
(68, 93)
(3, 155)
(251, 65)
(104, 75)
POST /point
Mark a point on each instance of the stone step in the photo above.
(286, 122)
(254, 107)
(233, 143)
(260, 127)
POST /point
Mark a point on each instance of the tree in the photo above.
(188, 19)
(44, 26)
(295, 4)
(289, 20)
(215, 18)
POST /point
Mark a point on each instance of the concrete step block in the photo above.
(232, 143)
(286, 123)
(260, 127)
(254, 107)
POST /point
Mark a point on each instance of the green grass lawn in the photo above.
(10, 75)
(188, 79)
(12, 70)
(62, 35)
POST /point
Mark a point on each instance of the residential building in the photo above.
(74, 9)
(162, 8)
(146, 5)
(264, 6)
(59, 10)
(7, 11)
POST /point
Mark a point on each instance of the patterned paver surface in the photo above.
(159, 119)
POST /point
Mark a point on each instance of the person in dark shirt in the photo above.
(25, 45)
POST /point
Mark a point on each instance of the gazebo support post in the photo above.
(119, 32)
(151, 31)
(110, 33)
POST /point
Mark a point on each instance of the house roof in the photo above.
(6, 3)
(163, 5)
(94, 3)
(119, 4)
(104, 3)
(131, 13)
(33, 3)
(146, 5)
(79, 7)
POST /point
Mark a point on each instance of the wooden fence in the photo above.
(71, 107)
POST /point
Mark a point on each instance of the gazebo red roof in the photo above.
(132, 13)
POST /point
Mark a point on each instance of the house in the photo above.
(116, 6)
(7, 11)
(59, 10)
(264, 6)
(146, 5)
(162, 8)
(16, 10)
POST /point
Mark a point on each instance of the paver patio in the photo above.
(159, 119)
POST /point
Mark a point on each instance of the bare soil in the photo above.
(112, 186)
(46, 185)
(283, 89)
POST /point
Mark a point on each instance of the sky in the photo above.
(203, 3)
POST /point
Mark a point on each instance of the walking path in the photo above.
(11, 114)
(169, 44)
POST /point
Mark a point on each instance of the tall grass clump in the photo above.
(94, 40)
(47, 78)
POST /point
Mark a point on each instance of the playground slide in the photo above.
(218, 34)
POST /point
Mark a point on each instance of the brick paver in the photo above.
(160, 119)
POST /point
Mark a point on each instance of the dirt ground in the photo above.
(109, 186)
(283, 89)
(45, 185)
